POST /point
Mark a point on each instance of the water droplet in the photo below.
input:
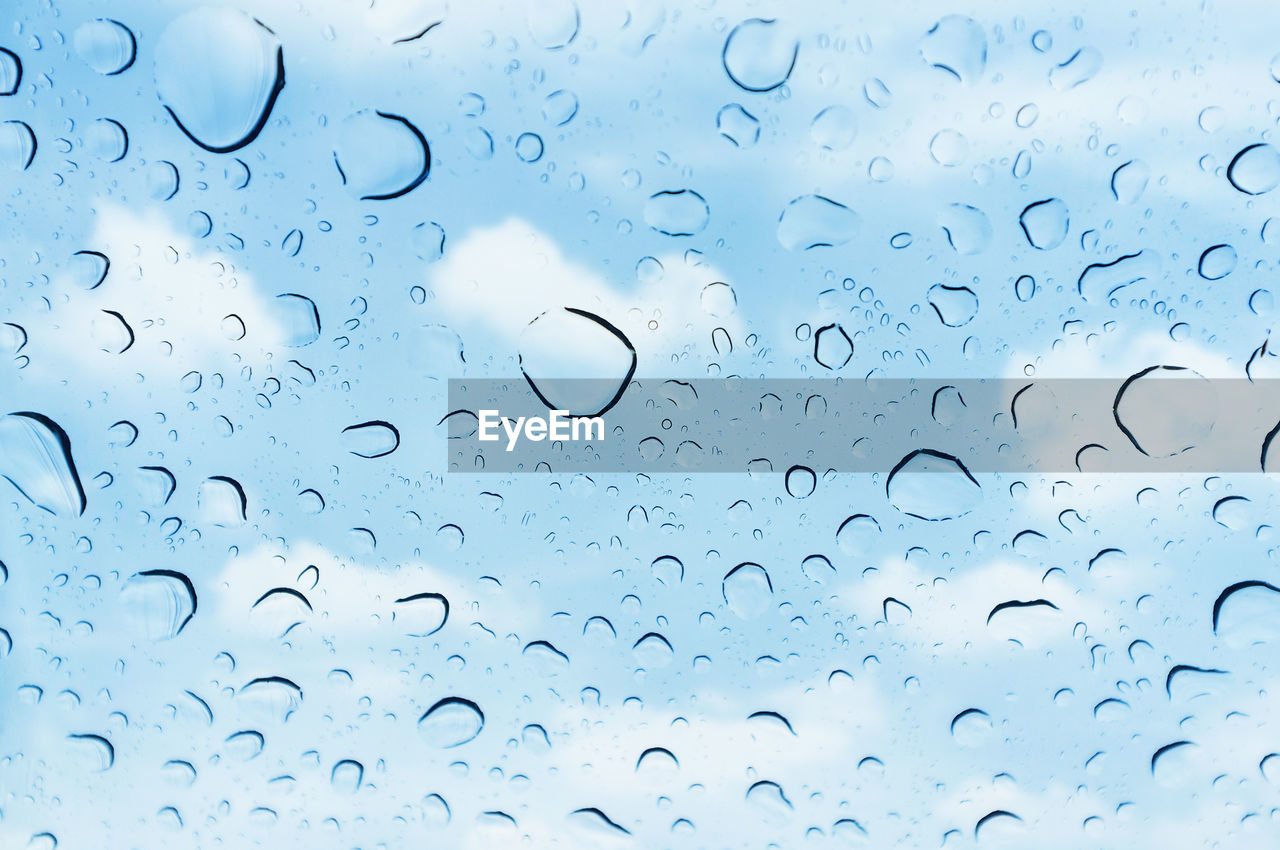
(955, 305)
(834, 128)
(682, 212)
(559, 107)
(223, 501)
(832, 347)
(371, 439)
(218, 73)
(933, 486)
(968, 229)
(1045, 223)
(529, 147)
(560, 348)
(402, 162)
(35, 457)
(298, 318)
(1255, 169)
(1163, 423)
(1078, 69)
(759, 54)
(451, 722)
(10, 72)
(800, 482)
(949, 148)
(957, 45)
(106, 46)
(159, 603)
(747, 590)
(17, 145)
(421, 614)
(812, 221)
(738, 125)
(1248, 614)
(1217, 262)
(552, 23)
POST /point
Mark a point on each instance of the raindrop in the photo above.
(559, 107)
(218, 73)
(933, 486)
(832, 347)
(451, 722)
(1217, 262)
(298, 318)
(1255, 170)
(403, 157)
(89, 268)
(812, 221)
(35, 457)
(759, 54)
(576, 361)
(957, 45)
(1078, 69)
(422, 614)
(371, 439)
(955, 305)
(738, 125)
(160, 603)
(10, 72)
(747, 590)
(968, 229)
(834, 128)
(529, 147)
(106, 46)
(1045, 223)
(17, 145)
(553, 23)
(681, 212)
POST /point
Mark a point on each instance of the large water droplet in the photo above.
(1078, 69)
(218, 73)
(955, 305)
(812, 221)
(1255, 170)
(759, 54)
(553, 23)
(451, 722)
(299, 319)
(933, 486)
(681, 212)
(160, 603)
(381, 156)
(1217, 262)
(1248, 613)
(1045, 223)
(106, 46)
(561, 347)
(1166, 410)
(35, 456)
(747, 590)
(371, 439)
(834, 128)
(957, 45)
(10, 72)
(421, 614)
(968, 229)
(17, 145)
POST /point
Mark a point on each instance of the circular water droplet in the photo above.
(162, 180)
(759, 54)
(968, 229)
(800, 482)
(107, 140)
(933, 486)
(401, 162)
(451, 722)
(553, 23)
(17, 145)
(812, 221)
(1255, 169)
(1217, 262)
(681, 212)
(957, 45)
(427, 240)
(834, 128)
(529, 147)
(949, 148)
(1045, 223)
(576, 361)
(559, 107)
(738, 125)
(955, 305)
(1166, 410)
(371, 439)
(10, 72)
(298, 318)
(718, 299)
(106, 46)
(159, 603)
(218, 73)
